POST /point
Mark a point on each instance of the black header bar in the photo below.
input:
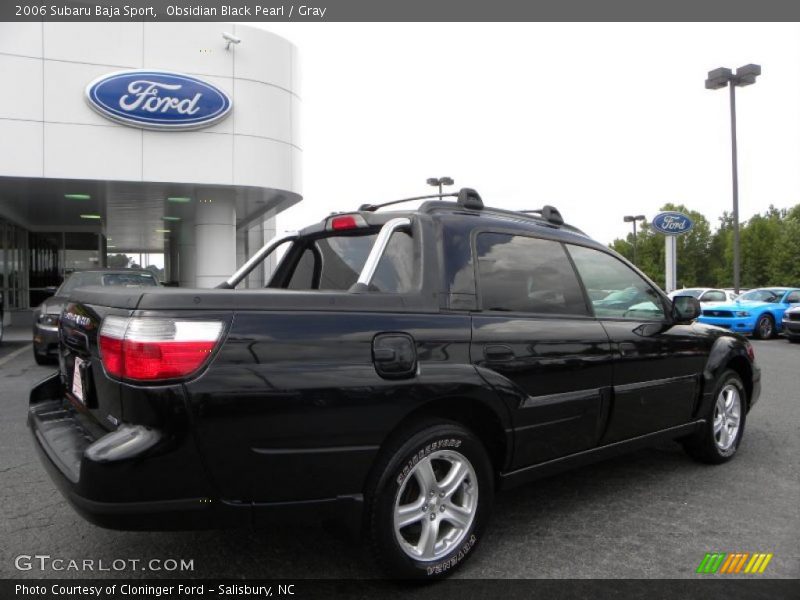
(709, 588)
(401, 10)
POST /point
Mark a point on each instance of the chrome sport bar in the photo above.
(254, 260)
(367, 273)
(378, 248)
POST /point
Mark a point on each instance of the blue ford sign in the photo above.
(672, 223)
(158, 100)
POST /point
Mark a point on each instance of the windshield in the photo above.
(761, 296)
(621, 295)
(87, 278)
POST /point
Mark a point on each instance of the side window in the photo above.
(614, 288)
(793, 298)
(523, 274)
(714, 296)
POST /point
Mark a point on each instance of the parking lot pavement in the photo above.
(654, 513)
(9, 350)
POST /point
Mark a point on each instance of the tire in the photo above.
(718, 441)
(455, 511)
(765, 328)
(793, 339)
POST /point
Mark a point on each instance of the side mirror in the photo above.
(685, 308)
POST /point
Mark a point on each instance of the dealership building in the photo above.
(175, 144)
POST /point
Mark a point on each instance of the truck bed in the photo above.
(244, 300)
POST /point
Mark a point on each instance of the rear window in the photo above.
(89, 278)
(77, 280)
(335, 262)
(129, 279)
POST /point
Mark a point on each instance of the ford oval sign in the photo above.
(158, 100)
(672, 223)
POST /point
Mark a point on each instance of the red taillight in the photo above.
(750, 352)
(344, 222)
(112, 332)
(111, 352)
(145, 349)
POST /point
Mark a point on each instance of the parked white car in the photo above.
(705, 295)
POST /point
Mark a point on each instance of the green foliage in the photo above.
(117, 261)
(784, 265)
(769, 249)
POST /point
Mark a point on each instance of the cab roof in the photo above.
(468, 203)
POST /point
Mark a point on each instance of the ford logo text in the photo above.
(672, 223)
(158, 100)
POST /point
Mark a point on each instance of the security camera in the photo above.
(230, 39)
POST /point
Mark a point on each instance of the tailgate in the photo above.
(84, 381)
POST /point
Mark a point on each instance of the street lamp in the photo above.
(633, 219)
(718, 79)
(440, 181)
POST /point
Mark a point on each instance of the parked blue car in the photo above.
(758, 312)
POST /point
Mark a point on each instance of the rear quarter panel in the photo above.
(292, 407)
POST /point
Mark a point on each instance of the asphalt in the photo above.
(652, 514)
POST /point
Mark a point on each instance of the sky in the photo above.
(600, 120)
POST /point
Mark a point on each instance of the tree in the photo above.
(784, 263)
(769, 245)
(118, 261)
(649, 251)
(758, 239)
(720, 253)
(157, 273)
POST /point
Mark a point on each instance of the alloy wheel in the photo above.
(765, 327)
(436, 505)
(727, 417)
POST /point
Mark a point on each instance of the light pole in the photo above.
(633, 219)
(717, 79)
(440, 181)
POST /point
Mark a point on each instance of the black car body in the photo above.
(46, 315)
(308, 396)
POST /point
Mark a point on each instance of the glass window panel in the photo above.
(524, 274)
(615, 289)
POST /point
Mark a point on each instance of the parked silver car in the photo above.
(791, 324)
(47, 314)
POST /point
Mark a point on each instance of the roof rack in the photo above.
(549, 213)
(470, 199)
(374, 207)
(466, 197)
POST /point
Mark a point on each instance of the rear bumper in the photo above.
(791, 328)
(116, 484)
(45, 339)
